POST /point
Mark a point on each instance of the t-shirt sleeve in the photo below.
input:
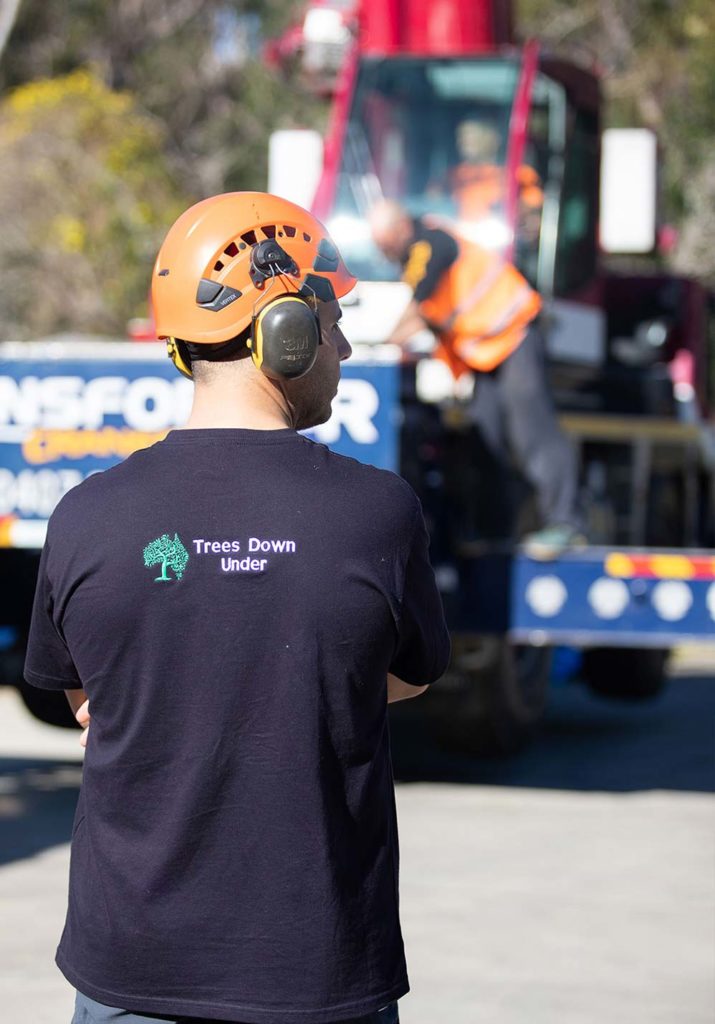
(423, 648)
(48, 663)
(427, 261)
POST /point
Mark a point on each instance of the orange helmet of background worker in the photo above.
(229, 256)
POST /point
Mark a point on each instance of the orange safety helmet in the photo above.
(226, 257)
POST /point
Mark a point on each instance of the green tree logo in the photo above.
(170, 554)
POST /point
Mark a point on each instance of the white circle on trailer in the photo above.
(546, 596)
(608, 597)
(672, 599)
(710, 600)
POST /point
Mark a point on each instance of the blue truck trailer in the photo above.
(70, 408)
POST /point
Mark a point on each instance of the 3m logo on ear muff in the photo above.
(285, 336)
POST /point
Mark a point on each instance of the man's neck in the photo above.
(214, 408)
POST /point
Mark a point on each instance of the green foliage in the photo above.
(196, 65)
(656, 59)
(85, 196)
(177, 104)
(169, 554)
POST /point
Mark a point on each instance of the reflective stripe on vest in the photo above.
(520, 300)
(477, 293)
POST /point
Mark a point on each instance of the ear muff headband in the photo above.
(178, 353)
(285, 336)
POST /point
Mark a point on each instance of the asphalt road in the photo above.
(574, 883)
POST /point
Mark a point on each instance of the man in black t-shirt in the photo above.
(484, 315)
(230, 611)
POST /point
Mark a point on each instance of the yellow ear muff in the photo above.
(176, 351)
(285, 336)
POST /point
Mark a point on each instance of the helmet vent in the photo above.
(218, 265)
(306, 238)
(250, 237)
(231, 249)
(269, 230)
(290, 231)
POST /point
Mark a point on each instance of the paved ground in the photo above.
(573, 884)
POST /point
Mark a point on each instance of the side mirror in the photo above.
(629, 174)
(295, 163)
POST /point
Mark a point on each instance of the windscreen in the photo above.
(432, 134)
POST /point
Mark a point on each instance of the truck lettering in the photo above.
(354, 407)
(147, 403)
(35, 492)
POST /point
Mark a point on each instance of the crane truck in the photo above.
(631, 361)
(420, 88)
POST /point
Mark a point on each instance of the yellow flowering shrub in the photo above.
(87, 196)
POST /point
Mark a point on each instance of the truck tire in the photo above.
(493, 697)
(625, 673)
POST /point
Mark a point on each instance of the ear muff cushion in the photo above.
(286, 335)
(179, 355)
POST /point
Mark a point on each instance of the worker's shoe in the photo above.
(552, 541)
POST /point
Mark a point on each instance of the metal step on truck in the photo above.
(72, 407)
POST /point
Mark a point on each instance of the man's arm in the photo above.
(79, 703)
(423, 648)
(411, 322)
(397, 690)
(428, 261)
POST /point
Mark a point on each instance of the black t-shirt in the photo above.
(231, 601)
(431, 253)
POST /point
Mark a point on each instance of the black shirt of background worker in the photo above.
(431, 253)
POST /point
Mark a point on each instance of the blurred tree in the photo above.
(177, 105)
(195, 64)
(656, 58)
(84, 205)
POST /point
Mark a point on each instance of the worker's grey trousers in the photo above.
(513, 410)
(89, 1011)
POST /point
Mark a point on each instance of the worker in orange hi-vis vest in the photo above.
(478, 184)
(484, 316)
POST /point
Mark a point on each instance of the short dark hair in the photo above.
(224, 352)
